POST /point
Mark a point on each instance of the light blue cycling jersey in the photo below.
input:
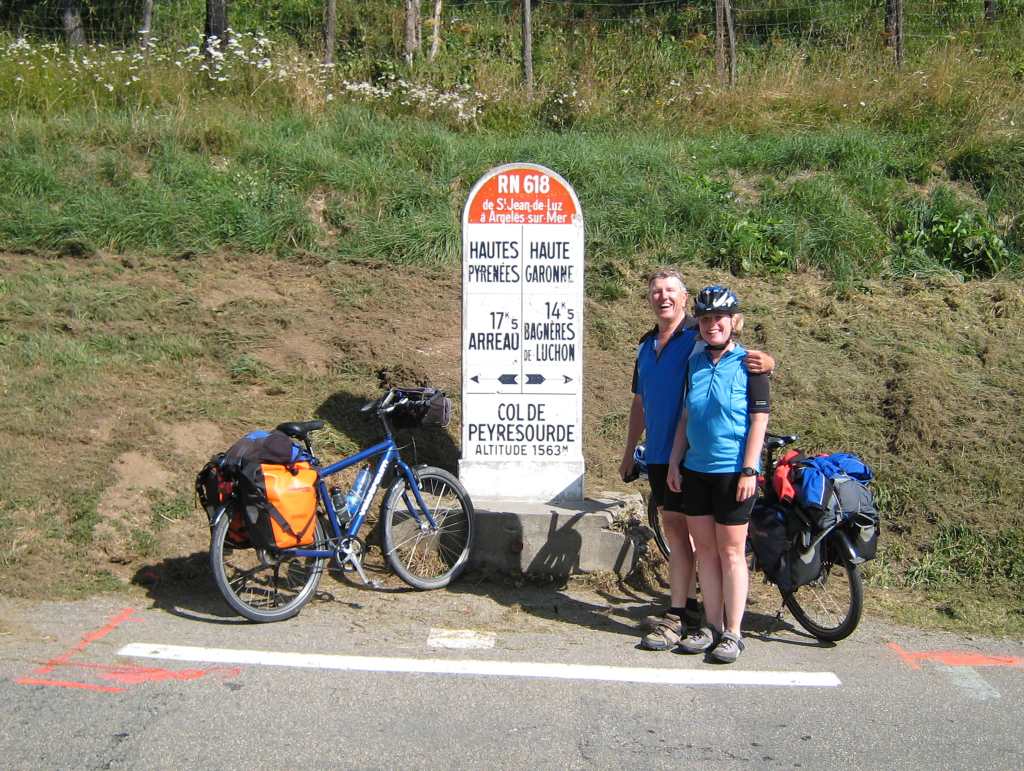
(718, 412)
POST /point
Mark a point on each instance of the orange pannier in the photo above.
(291, 495)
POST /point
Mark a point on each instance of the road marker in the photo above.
(461, 639)
(666, 676)
(970, 682)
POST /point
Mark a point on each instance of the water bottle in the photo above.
(340, 505)
(355, 496)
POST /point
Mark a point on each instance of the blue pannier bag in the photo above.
(816, 475)
(832, 491)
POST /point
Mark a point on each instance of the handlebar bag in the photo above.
(424, 407)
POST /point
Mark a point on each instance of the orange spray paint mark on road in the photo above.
(88, 639)
(131, 675)
(126, 674)
(68, 684)
(913, 659)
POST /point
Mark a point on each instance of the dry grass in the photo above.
(918, 377)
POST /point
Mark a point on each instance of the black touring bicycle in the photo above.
(813, 557)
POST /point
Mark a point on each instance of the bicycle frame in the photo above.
(389, 455)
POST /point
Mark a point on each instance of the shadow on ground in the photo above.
(184, 587)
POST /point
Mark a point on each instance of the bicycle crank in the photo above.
(349, 557)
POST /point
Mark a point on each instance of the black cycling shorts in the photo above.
(707, 495)
(657, 474)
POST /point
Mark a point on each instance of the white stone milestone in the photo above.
(522, 337)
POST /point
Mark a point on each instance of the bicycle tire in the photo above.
(829, 607)
(427, 559)
(251, 579)
(654, 520)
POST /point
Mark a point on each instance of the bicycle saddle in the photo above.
(300, 429)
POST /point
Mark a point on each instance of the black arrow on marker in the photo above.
(567, 378)
(504, 379)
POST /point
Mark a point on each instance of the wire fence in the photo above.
(897, 30)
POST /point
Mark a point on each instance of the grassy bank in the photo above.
(121, 374)
(852, 202)
(189, 249)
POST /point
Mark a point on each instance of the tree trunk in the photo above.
(412, 29)
(71, 18)
(216, 23)
(435, 42)
(991, 10)
(147, 24)
(330, 30)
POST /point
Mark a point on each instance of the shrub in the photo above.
(944, 232)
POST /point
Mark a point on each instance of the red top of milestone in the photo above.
(520, 187)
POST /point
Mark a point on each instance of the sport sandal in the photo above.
(699, 641)
(667, 632)
(728, 649)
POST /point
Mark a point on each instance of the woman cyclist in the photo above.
(718, 440)
(658, 382)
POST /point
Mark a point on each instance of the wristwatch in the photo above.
(747, 471)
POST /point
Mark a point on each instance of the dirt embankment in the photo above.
(121, 375)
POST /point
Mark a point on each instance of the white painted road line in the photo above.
(460, 639)
(667, 676)
(970, 682)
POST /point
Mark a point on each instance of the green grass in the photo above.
(847, 201)
(860, 211)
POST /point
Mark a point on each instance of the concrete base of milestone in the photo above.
(556, 539)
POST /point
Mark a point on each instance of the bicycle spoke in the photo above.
(428, 557)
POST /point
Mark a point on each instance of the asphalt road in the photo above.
(73, 698)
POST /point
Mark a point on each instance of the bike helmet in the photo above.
(716, 299)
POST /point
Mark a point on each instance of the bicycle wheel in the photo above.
(654, 520)
(261, 585)
(423, 557)
(830, 606)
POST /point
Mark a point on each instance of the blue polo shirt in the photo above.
(719, 401)
(658, 378)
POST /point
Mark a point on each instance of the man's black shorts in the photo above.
(706, 495)
(657, 474)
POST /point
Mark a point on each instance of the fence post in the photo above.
(527, 50)
(147, 25)
(412, 30)
(894, 29)
(330, 30)
(897, 33)
(725, 43)
(435, 40)
(991, 10)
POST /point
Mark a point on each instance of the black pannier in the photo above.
(784, 546)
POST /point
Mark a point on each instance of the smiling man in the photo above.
(658, 376)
